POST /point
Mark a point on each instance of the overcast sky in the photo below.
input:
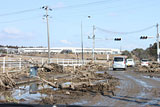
(18, 27)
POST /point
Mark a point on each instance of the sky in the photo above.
(28, 28)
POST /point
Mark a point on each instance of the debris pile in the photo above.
(90, 77)
(80, 83)
(52, 67)
(152, 67)
(6, 82)
(93, 67)
(87, 80)
(45, 67)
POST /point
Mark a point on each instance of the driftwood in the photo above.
(49, 83)
(73, 86)
(51, 67)
(66, 86)
(6, 82)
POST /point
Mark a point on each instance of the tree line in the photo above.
(148, 53)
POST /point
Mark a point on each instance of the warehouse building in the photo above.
(69, 50)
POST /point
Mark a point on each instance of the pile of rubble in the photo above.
(45, 67)
(52, 67)
(152, 67)
(83, 78)
(80, 83)
(93, 67)
(6, 82)
(89, 79)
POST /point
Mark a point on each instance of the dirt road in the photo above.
(135, 89)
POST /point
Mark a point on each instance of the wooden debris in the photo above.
(6, 82)
(152, 67)
(49, 83)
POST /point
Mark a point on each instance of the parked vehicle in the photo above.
(144, 62)
(130, 63)
(119, 62)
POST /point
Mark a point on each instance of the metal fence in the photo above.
(12, 64)
(17, 64)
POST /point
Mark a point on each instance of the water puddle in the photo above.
(154, 78)
(144, 84)
(80, 103)
(100, 72)
(26, 92)
(67, 83)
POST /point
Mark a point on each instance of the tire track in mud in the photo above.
(134, 90)
(143, 94)
(150, 85)
(154, 82)
(126, 89)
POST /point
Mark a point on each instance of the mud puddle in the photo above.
(25, 94)
(152, 77)
(80, 103)
(99, 72)
(142, 83)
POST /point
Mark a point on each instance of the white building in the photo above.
(70, 49)
(8, 50)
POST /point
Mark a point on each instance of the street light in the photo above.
(93, 37)
(82, 39)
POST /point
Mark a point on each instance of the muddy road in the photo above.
(135, 89)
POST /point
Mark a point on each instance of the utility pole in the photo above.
(158, 43)
(82, 40)
(46, 16)
(93, 42)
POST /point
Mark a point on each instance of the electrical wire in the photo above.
(19, 12)
(125, 33)
(72, 6)
(82, 5)
(17, 20)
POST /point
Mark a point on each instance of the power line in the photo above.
(84, 4)
(125, 33)
(17, 20)
(19, 12)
